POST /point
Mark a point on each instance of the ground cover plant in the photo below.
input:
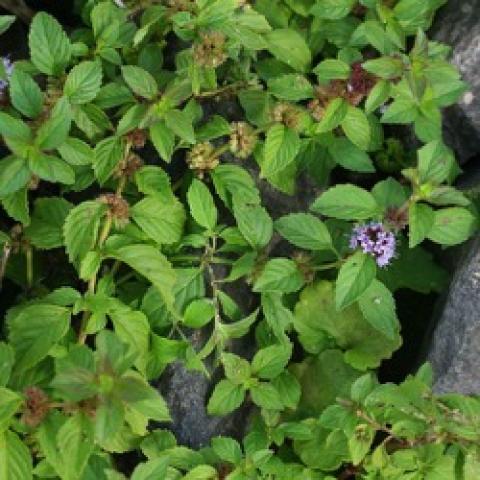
(133, 206)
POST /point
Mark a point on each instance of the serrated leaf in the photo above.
(452, 226)
(291, 87)
(420, 220)
(305, 231)
(349, 156)
(254, 223)
(347, 202)
(50, 48)
(269, 362)
(80, 230)
(289, 46)
(354, 278)
(181, 124)
(14, 174)
(140, 81)
(163, 140)
(107, 155)
(266, 396)
(161, 220)
(333, 116)
(15, 458)
(281, 147)
(279, 275)
(357, 127)
(54, 131)
(83, 82)
(52, 169)
(34, 330)
(25, 94)
(226, 397)
(202, 205)
(378, 307)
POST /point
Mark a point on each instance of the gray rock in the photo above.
(455, 348)
(457, 25)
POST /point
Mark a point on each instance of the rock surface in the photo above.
(455, 347)
(457, 25)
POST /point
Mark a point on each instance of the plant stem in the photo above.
(29, 261)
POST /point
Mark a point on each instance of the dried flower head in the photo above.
(210, 51)
(137, 137)
(128, 167)
(288, 114)
(182, 5)
(397, 218)
(375, 240)
(304, 263)
(118, 208)
(37, 406)
(202, 158)
(243, 139)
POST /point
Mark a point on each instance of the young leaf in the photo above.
(226, 397)
(333, 116)
(346, 202)
(54, 131)
(199, 313)
(156, 468)
(83, 82)
(354, 277)
(305, 231)
(163, 140)
(107, 155)
(349, 156)
(227, 449)
(281, 147)
(266, 396)
(14, 174)
(357, 127)
(181, 124)
(50, 48)
(202, 205)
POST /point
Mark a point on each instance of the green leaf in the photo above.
(333, 116)
(266, 396)
(17, 133)
(226, 397)
(435, 162)
(15, 458)
(180, 123)
(51, 169)
(17, 207)
(305, 231)
(25, 94)
(107, 155)
(227, 449)
(54, 131)
(150, 263)
(388, 68)
(332, 9)
(354, 278)
(289, 389)
(452, 226)
(237, 369)
(83, 82)
(254, 223)
(332, 69)
(6, 360)
(153, 180)
(420, 221)
(379, 94)
(80, 230)
(6, 21)
(163, 140)
(202, 472)
(50, 48)
(349, 156)
(161, 220)
(140, 81)
(378, 307)
(289, 47)
(279, 275)
(357, 127)
(151, 470)
(10, 402)
(401, 111)
(270, 362)
(346, 202)
(45, 230)
(202, 205)
(76, 152)
(199, 313)
(281, 147)
(291, 87)
(34, 330)
(14, 175)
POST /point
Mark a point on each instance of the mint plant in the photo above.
(133, 206)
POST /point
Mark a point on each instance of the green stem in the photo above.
(328, 266)
(29, 261)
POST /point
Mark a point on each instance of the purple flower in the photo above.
(375, 240)
(8, 66)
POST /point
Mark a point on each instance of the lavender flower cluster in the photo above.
(375, 240)
(8, 65)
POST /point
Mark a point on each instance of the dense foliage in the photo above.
(120, 152)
